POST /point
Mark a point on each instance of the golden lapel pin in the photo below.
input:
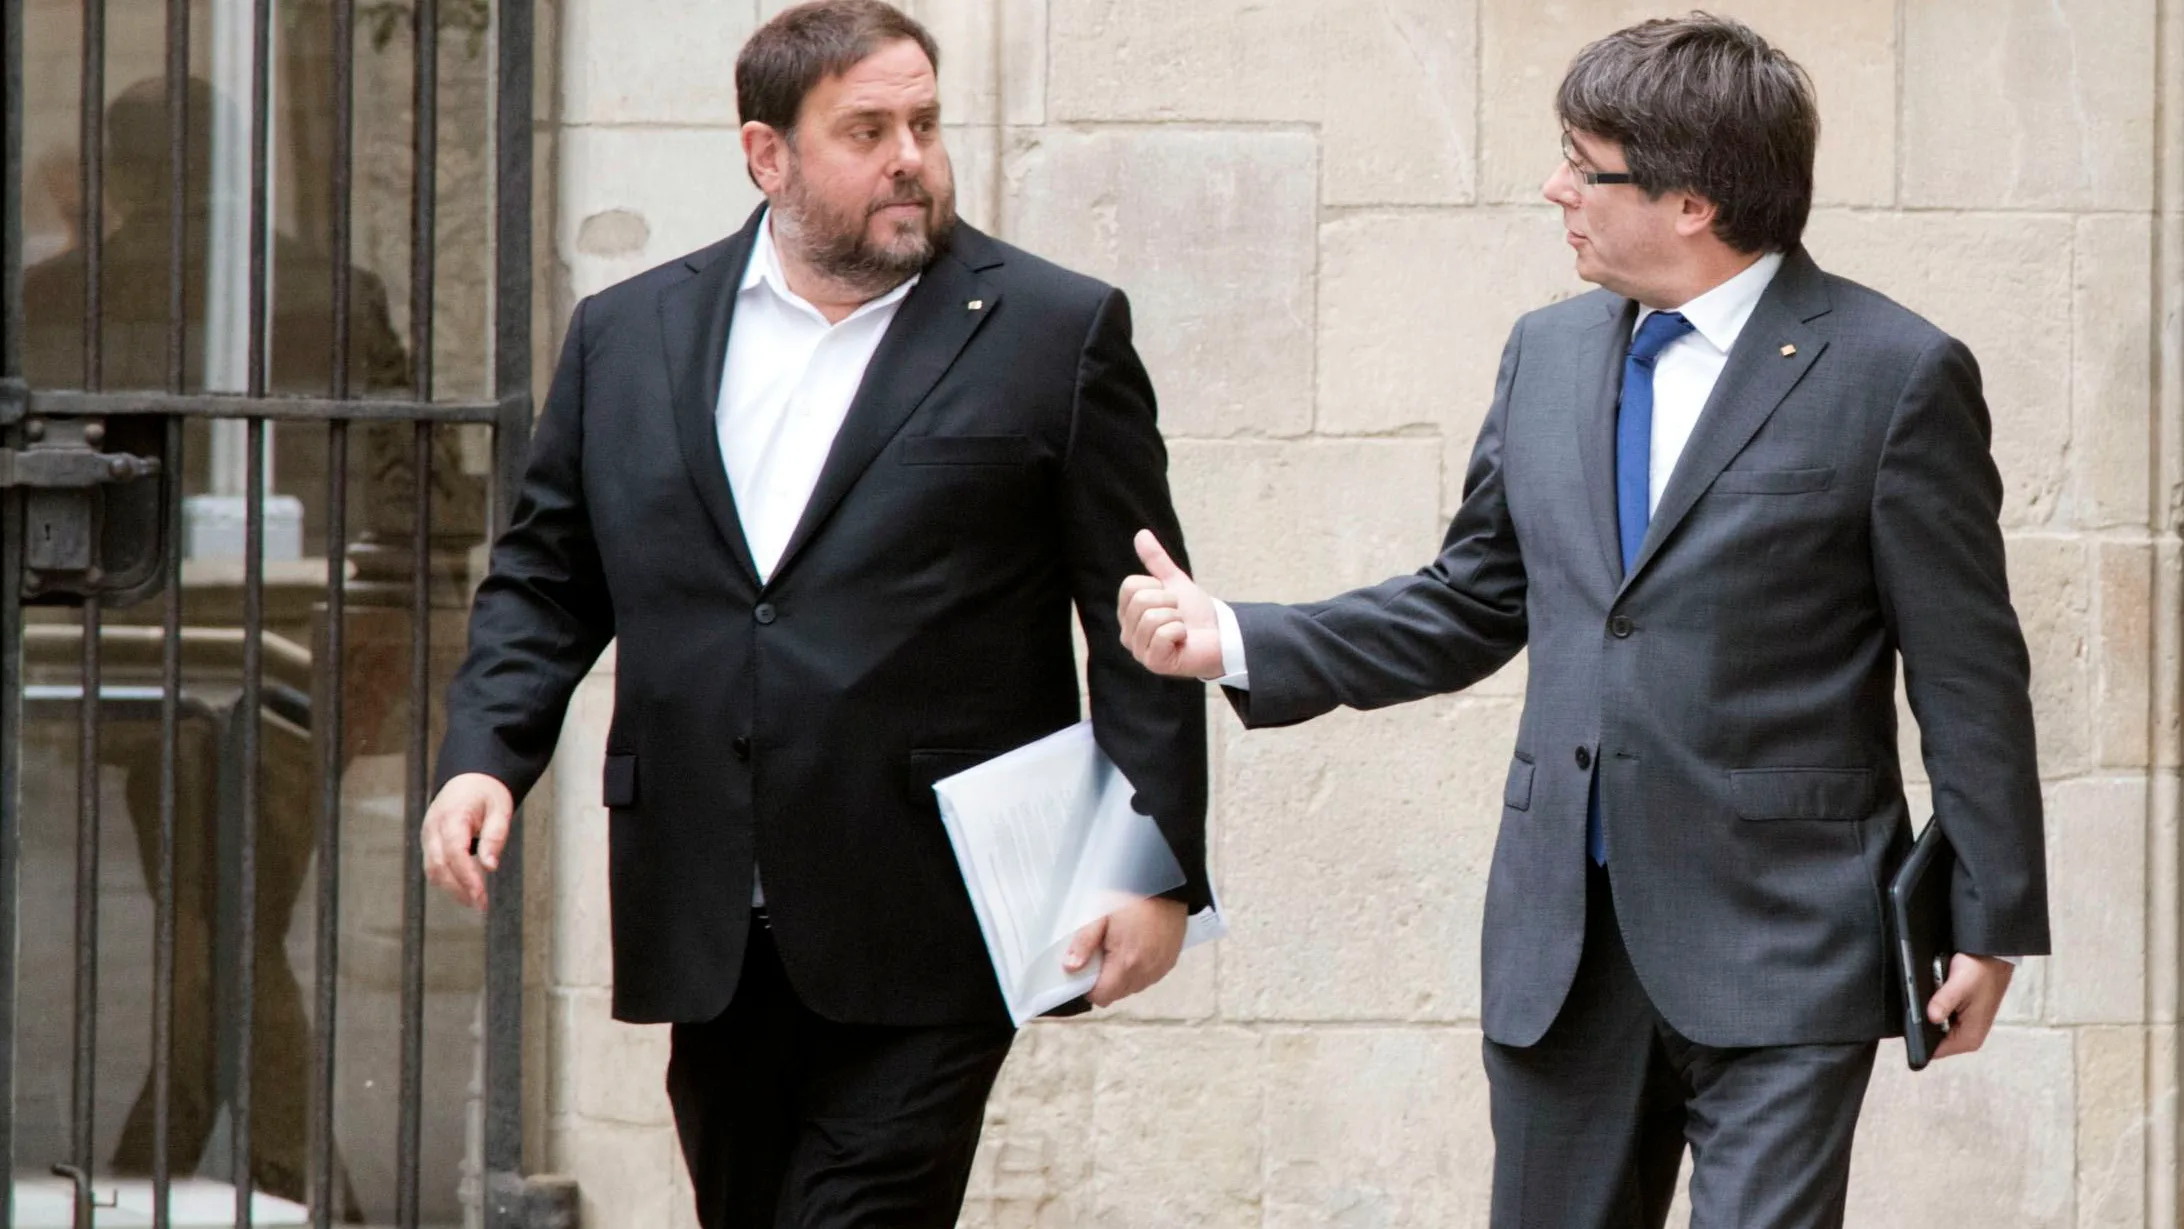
(1787, 351)
(975, 304)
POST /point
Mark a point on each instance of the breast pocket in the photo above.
(966, 450)
(1774, 481)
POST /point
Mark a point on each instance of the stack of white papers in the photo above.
(1049, 843)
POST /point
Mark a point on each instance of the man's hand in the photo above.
(470, 806)
(1167, 621)
(1138, 945)
(1971, 997)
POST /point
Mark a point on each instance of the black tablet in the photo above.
(1919, 931)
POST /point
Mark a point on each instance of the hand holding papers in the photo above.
(1048, 843)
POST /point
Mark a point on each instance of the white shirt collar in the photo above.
(765, 270)
(1719, 315)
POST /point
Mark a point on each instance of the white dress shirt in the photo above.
(789, 379)
(785, 389)
(1683, 378)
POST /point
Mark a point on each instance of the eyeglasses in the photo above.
(1590, 178)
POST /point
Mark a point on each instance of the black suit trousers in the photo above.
(789, 1120)
(1590, 1123)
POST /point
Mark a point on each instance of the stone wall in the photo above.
(1326, 213)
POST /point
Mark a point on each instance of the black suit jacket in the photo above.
(998, 456)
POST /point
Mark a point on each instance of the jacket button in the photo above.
(764, 612)
(1619, 627)
(742, 748)
(1584, 758)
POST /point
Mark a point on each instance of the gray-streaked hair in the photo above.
(804, 45)
(1703, 104)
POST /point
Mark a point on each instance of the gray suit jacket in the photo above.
(1734, 694)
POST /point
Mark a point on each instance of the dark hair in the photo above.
(1702, 104)
(806, 44)
(139, 161)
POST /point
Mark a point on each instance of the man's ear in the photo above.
(766, 152)
(1695, 215)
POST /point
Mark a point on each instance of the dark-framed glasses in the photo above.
(1590, 178)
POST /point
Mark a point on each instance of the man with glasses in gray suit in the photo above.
(1717, 498)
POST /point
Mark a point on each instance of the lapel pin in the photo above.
(1787, 351)
(975, 304)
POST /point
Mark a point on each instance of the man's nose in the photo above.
(1561, 186)
(907, 157)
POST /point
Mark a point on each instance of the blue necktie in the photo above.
(1634, 481)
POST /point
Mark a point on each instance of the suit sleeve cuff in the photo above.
(1234, 672)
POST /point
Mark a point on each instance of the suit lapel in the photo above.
(1758, 376)
(695, 315)
(1598, 376)
(935, 321)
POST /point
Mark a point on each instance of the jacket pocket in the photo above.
(1516, 792)
(618, 783)
(928, 766)
(966, 449)
(1774, 481)
(1802, 793)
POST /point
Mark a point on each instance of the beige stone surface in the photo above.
(1376, 1126)
(2097, 833)
(688, 54)
(1202, 1164)
(2113, 443)
(1287, 523)
(625, 1175)
(2125, 661)
(1415, 308)
(1208, 60)
(622, 1069)
(992, 58)
(1391, 84)
(1034, 1168)
(1218, 265)
(2060, 93)
(1848, 48)
(2112, 1128)
(1357, 852)
(2052, 588)
(687, 185)
(2001, 284)
(1992, 1131)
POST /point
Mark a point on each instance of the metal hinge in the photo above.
(66, 468)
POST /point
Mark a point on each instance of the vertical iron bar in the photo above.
(11, 563)
(503, 1142)
(413, 893)
(83, 1079)
(91, 183)
(248, 709)
(424, 86)
(325, 994)
(170, 674)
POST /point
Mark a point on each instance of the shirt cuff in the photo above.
(1233, 670)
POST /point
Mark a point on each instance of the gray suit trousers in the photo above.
(1591, 1122)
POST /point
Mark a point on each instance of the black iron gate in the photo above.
(92, 484)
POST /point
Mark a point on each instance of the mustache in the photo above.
(909, 193)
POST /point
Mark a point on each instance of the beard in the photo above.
(838, 243)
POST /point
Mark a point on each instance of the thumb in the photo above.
(493, 837)
(1948, 1000)
(1088, 941)
(1155, 558)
